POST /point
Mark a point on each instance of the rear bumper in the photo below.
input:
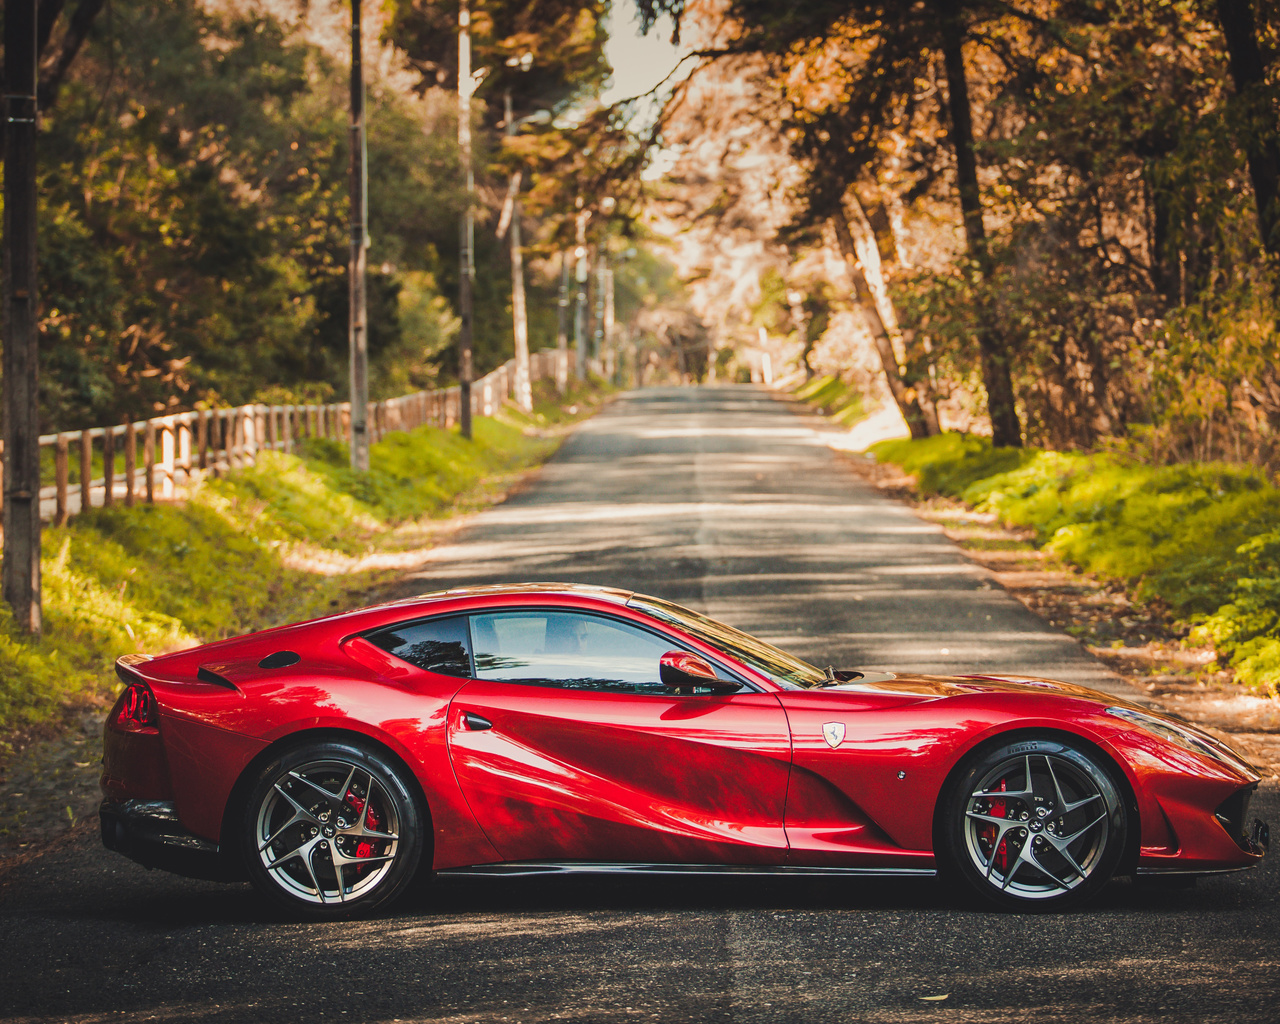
(149, 832)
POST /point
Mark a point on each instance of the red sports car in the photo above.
(548, 727)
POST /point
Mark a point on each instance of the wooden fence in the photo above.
(184, 447)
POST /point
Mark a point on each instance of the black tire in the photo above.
(1035, 825)
(332, 830)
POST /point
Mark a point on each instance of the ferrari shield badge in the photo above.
(833, 733)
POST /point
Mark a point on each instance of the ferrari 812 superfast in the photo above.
(553, 728)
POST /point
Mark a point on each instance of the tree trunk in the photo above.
(1006, 431)
(908, 403)
(868, 254)
(1262, 140)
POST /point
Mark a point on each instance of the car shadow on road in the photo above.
(458, 898)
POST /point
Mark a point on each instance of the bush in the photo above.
(830, 394)
(1203, 538)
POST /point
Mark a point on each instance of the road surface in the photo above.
(725, 500)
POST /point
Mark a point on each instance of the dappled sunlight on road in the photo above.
(724, 500)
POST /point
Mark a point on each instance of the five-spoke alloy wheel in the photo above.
(1036, 824)
(331, 830)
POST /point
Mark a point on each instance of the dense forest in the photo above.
(1058, 218)
(1054, 220)
(193, 193)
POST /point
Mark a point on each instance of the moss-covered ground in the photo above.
(1198, 542)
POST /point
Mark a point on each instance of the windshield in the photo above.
(783, 668)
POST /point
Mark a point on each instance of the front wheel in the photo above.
(1036, 825)
(332, 830)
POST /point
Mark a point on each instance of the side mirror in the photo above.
(680, 670)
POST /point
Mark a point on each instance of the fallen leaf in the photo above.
(934, 999)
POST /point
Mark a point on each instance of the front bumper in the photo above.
(149, 832)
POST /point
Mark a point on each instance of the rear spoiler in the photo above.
(125, 669)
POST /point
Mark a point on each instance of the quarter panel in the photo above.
(212, 734)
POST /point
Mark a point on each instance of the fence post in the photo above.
(236, 444)
(60, 479)
(202, 438)
(168, 456)
(251, 434)
(86, 470)
(184, 451)
(130, 462)
(217, 440)
(149, 461)
(109, 466)
(287, 425)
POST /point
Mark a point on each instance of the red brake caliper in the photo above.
(357, 804)
(999, 809)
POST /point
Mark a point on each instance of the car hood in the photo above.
(925, 687)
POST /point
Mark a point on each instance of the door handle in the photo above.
(475, 723)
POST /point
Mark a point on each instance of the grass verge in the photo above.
(1199, 542)
(831, 396)
(289, 538)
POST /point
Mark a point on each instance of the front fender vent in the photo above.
(1233, 814)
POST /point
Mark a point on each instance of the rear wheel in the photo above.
(1036, 825)
(331, 830)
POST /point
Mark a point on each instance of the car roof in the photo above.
(612, 595)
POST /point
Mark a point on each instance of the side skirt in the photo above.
(520, 869)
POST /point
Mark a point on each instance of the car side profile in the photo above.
(552, 727)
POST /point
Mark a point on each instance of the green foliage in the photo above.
(1202, 538)
(949, 463)
(160, 577)
(193, 212)
(1247, 627)
(831, 395)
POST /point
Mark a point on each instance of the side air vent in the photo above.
(281, 659)
(207, 675)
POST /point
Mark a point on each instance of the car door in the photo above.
(567, 747)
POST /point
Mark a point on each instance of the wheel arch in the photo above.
(240, 790)
(1128, 858)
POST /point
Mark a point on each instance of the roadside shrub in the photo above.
(829, 393)
(1204, 538)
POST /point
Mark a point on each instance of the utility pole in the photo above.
(610, 342)
(598, 340)
(20, 575)
(519, 318)
(562, 321)
(467, 274)
(580, 306)
(358, 325)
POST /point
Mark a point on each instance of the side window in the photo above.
(568, 650)
(437, 645)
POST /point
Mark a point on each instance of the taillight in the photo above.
(137, 708)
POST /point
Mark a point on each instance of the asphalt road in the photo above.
(726, 501)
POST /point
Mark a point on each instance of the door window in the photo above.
(568, 650)
(437, 645)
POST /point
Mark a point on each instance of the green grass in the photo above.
(158, 577)
(833, 397)
(1204, 539)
